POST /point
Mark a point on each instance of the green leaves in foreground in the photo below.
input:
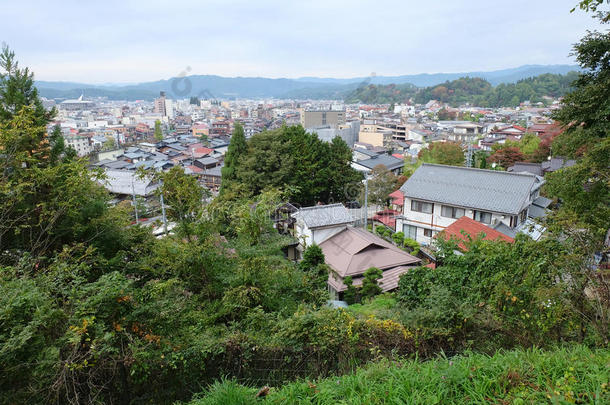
(566, 375)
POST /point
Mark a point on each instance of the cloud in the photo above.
(148, 40)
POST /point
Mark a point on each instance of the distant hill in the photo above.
(212, 86)
(472, 90)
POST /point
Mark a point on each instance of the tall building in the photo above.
(160, 104)
(317, 118)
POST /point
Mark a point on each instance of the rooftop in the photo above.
(486, 190)
(324, 215)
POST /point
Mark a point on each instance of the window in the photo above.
(421, 206)
(482, 216)
(452, 212)
(428, 233)
(410, 231)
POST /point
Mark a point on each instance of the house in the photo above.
(351, 251)
(391, 163)
(540, 169)
(398, 200)
(318, 223)
(466, 227)
(127, 183)
(435, 196)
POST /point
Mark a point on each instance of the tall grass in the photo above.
(562, 376)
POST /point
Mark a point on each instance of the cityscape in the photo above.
(272, 225)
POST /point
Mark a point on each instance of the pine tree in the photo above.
(237, 148)
(370, 288)
(17, 90)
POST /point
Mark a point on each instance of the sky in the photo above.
(131, 41)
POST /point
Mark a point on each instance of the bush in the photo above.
(370, 288)
(412, 245)
(398, 238)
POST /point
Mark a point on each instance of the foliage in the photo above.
(398, 238)
(236, 151)
(564, 375)
(412, 245)
(444, 153)
(381, 94)
(471, 90)
(17, 90)
(370, 286)
(381, 184)
(183, 196)
(497, 288)
(506, 157)
(158, 131)
(351, 293)
(584, 188)
(307, 169)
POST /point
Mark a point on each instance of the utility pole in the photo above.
(135, 204)
(163, 213)
(469, 155)
(366, 201)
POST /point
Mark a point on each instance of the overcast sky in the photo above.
(134, 41)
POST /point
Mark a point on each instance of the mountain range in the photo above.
(218, 87)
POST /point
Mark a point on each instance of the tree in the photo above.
(183, 196)
(235, 152)
(351, 293)
(585, 187)
(58, 147)
(370, 287)
(506, 157)
(312, 257)
(194, 100)
(444, 153)
(17, 90)
(382, 183)
(306, 168)
(158, 131)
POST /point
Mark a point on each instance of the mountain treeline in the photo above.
(472, 90)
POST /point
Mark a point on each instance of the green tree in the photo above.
(17, 90)
(158, 131)
(306, 168)
(351, 293)
(58, 147)
(183, 196)
(444, 153)
(382, 183)
(312, 257)
(370, 286)
(235, 152)
(194, 100)
(585, 187)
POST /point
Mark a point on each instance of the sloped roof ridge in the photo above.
(481, 170)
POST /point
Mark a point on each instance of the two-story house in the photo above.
(435, 196)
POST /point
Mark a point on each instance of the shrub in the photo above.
(370, 288)
(412, 245)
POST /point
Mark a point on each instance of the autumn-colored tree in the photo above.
(506, 157)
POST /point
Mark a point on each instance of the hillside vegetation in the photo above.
(472, 90)
(565, 375)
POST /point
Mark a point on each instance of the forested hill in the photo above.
(471, 90)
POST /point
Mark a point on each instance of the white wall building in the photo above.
(437, 195)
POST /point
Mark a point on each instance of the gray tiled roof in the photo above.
(324, 215)
(127, 182)
(486, 190)
(388, 161)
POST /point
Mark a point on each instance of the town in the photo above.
(269, 224)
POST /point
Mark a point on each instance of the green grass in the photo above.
(561, 376)
(376, 306)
